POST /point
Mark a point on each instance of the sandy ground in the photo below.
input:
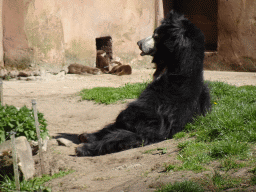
(68, 116)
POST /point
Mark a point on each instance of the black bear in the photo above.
(175, 97)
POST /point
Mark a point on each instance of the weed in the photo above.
(168, 168)
(142, 144)
(21, 121)
(163, 150)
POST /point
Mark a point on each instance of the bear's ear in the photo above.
(191, 31)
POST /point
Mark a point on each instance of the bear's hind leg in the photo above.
(115, 141)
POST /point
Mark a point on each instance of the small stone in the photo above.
(64, 142)
(13, 74)
(3, 73)
(24, 73)
(31, 78)
(22, 78)
(36, 73)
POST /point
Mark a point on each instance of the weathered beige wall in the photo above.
(64, 31)
(15, 46)
(59, 32)
(236, 33)
(1, 36)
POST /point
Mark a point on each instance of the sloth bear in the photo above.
(102, 61)
(119, 69)
(175, 97)
(82, 69)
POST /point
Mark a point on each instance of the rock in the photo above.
(24, 73)
(36, 73)
(22, 78)
(61, 74)
(31, 78)
(3, 73)
(42, 72)
(24, 155)
(34, 145)
(64, 142)
(13, 74)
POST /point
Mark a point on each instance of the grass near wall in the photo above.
(226, 136)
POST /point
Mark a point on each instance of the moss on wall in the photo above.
(45, 34)
(81, 51)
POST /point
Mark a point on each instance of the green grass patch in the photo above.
(36, 184)
(221, 182)
(228, 131)
(231, 163)
(184, 186)
(179, 135)
(110, 95)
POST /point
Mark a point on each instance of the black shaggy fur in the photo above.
(172, 100)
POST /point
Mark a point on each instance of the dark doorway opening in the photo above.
(105, 44)
(203, 13)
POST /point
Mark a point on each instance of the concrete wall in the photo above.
(64, 31)
(15, 44)
(1, 36)
(59, 32)
(236, 33)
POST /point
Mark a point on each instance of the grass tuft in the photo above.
(110, 95)
(186, 186)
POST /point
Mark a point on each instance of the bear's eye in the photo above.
(155, 36)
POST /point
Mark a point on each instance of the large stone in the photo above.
(64, 142)
(24, 155)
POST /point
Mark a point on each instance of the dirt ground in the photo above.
(68, 116)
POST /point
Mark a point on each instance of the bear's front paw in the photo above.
(83, 150)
